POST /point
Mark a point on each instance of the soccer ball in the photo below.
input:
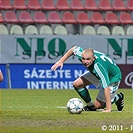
(75, 106)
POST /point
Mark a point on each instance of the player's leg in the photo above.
(100, 102)
(79, 85)
(118, 99)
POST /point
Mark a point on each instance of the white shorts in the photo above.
(93, 79)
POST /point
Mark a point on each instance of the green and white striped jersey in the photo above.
(103, 67)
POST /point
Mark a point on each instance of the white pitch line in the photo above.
(61, 107)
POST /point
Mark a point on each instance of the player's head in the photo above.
(88, 57)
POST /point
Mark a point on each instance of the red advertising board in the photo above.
(127, 76)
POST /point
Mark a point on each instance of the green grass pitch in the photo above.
(44, 111)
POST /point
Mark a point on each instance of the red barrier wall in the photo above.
(127, 76)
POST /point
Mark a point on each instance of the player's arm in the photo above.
(101, 71)
(108, 99)
(63, 59)
(1, 76)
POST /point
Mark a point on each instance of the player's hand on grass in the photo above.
(106, 111)
(56, 65)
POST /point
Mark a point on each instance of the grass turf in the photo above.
(44, 111)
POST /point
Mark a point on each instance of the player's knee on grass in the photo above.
(99, 104)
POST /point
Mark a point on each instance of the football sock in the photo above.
(116, 98)
(84, 94)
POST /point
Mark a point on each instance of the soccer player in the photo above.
(102, 72)
(1, 76)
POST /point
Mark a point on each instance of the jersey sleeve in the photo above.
(102, 73)
(78, 52)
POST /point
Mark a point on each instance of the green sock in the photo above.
(84, 94)
(116, 98)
